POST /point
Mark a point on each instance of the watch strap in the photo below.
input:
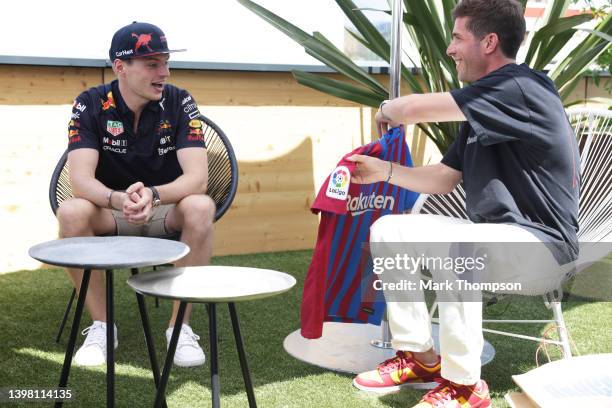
(156, 199)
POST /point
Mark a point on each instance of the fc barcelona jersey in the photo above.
(339, 266)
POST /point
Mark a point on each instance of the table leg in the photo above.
(161, 389)
(156, 298)
(246, 375)
(65, 318)
(146, 327)
(74, 330)
(110, 341)
(214, 363)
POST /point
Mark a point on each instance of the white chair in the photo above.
(593, 130)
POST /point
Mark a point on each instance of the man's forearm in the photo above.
(93, 190)
(90, 189)
(433, 179)
(180, 188)
(420, 108)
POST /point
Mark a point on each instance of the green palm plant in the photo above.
(429, 25)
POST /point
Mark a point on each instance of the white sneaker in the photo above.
(93, 350)
(188, 351)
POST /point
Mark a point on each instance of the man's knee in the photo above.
(381, 228)
(74, 216)
(198, 212)
(413, 228)
(394, 228)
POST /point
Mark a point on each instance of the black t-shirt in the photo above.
(519, 156)
(101, 120)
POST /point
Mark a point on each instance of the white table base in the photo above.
(346, 348)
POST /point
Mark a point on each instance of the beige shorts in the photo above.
(156, 227)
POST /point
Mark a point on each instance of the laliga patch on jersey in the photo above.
(114, 127)
(339, 183)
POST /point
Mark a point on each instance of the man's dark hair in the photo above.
(502, 17)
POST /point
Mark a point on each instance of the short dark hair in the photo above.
(502, 17)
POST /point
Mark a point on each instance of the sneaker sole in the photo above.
(396, 388)
(194, 363)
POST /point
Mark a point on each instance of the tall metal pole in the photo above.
(395, 67)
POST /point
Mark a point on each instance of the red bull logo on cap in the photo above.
(143, 41)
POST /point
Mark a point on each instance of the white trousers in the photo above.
(461, 339)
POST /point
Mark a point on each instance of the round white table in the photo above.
(347, 347)
(211, 285)
(107, 253)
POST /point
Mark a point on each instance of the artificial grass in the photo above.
(32, 303)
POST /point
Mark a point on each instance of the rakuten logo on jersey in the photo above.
(365, 203)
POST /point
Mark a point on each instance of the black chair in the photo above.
(222, 184)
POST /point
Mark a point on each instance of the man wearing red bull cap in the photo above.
(138, 166)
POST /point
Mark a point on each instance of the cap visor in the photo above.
(156, 53)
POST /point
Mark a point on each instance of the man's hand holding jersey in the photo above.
(369, 169)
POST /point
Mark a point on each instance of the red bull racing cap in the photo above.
(138, 40)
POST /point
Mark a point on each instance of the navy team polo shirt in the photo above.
(519, 156)
(101, 120)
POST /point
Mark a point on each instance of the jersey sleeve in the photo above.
(190, 130)
(495, 108)
(81, 128)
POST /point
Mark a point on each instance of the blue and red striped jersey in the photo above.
(340, 268)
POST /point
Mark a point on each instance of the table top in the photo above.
(199, 284)
(108, 252)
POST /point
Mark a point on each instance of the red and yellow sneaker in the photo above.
(450, 395)
(403, 370)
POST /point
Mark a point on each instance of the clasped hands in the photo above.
(137, 204)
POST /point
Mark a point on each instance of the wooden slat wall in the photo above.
(271, 210)
(233, 88)
(40, 85)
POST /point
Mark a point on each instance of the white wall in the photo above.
(211, 30)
